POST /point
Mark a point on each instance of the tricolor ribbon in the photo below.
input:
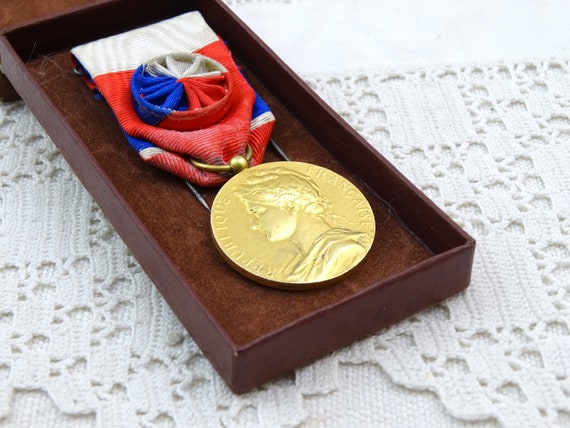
(177, 94)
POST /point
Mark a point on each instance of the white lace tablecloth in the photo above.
(86, 340)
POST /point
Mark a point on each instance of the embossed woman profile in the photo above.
(287, 205)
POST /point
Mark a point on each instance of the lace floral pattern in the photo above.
(490, 146)
(87, 340)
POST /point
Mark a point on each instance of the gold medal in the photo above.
(292, 225)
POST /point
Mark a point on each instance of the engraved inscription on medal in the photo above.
(292, 225)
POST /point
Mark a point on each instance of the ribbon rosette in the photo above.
(182, 91)
(178, 94)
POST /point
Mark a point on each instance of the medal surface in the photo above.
(292, 225)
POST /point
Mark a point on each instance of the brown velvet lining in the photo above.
(180, 225)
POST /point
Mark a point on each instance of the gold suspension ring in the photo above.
(236, 164)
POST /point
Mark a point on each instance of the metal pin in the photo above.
(278, 149)
(79, 70)
(199, 196)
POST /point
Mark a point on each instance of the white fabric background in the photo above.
(471, 101)
(324, 36)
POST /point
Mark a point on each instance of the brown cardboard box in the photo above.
(250, 333)
(16, 12)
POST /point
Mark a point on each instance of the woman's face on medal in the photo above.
(275, 222)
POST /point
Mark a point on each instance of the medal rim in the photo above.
(282, 285)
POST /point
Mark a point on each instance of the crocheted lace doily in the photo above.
(85, 339)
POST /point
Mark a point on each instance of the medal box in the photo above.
(250, 333)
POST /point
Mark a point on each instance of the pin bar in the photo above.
(278, 149)
(197, 195)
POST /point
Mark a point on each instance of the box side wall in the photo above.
(377, 308)
(100, 18)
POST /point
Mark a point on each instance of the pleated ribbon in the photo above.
(177, 94)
